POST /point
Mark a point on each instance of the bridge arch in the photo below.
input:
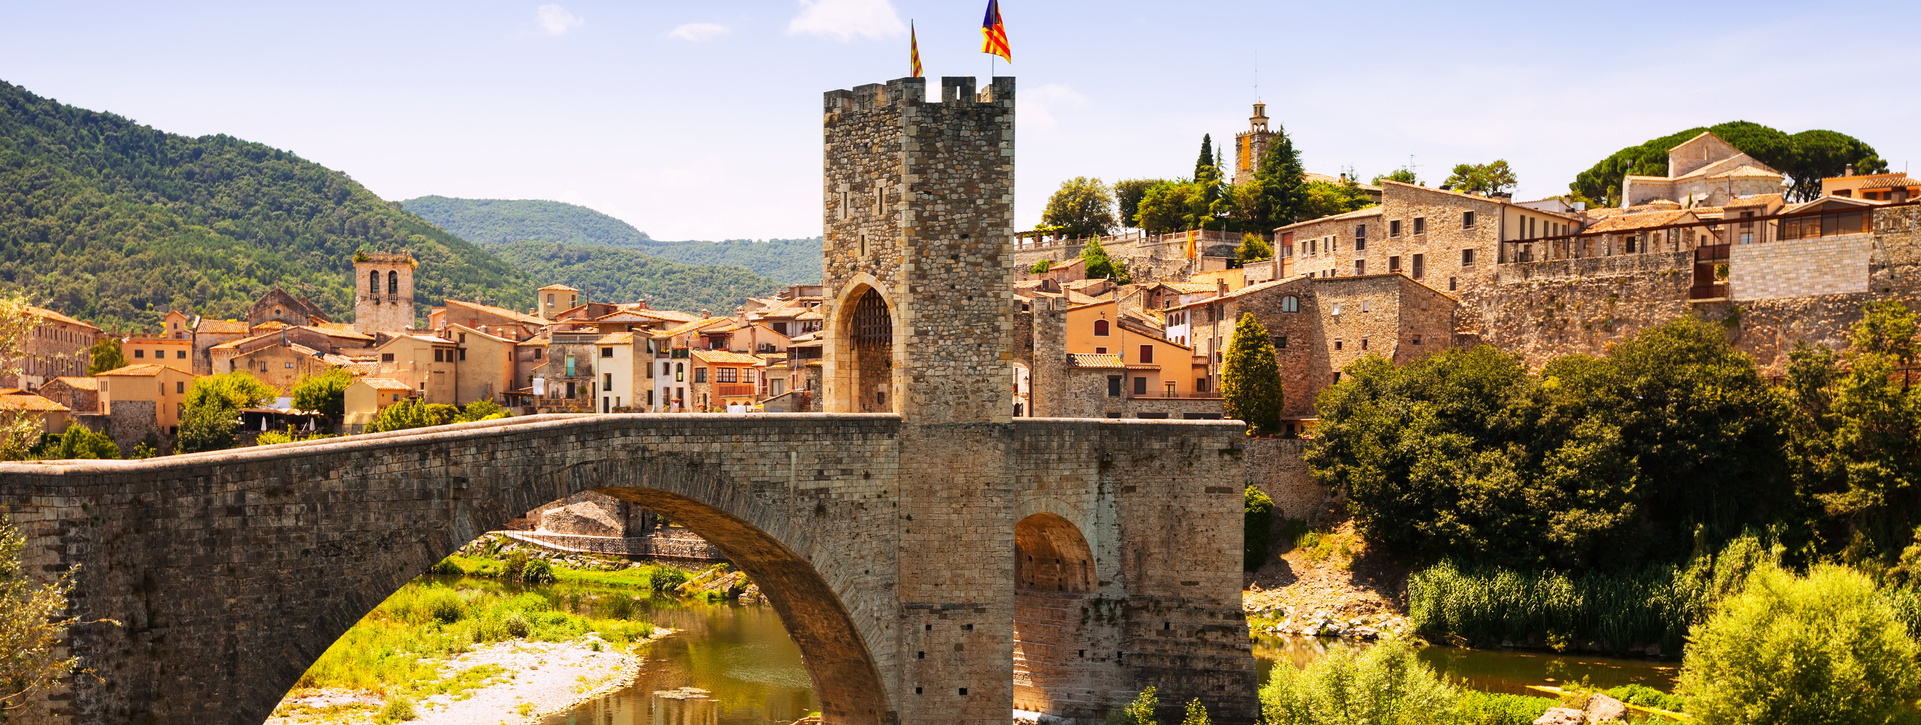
(1063, 644)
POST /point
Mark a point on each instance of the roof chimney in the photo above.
(1849, 171)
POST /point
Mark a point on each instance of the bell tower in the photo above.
(383, 292)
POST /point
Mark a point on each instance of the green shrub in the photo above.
(1257, 521)
(1196, 714)
(1138, 712)
(1826, 648)
(1382, 685)
(664, 580)
(1487, 708)
(398, 709)
(272, 437)
(517, 624)
(516, 564)
(537, 571)
(1648, 697)
(80, 442)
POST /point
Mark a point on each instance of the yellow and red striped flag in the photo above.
(913, 49)
(994, 34)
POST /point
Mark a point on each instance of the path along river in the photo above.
(752, 672)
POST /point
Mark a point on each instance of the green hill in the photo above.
(108, 220)
(609, 273)
(1806, 158)
(498, 221)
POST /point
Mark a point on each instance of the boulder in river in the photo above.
(1601, 708)
(1561, 716)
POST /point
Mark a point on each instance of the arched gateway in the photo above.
(890, 542)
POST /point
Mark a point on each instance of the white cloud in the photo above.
(698, 32)
(556, 20)
(845, 20)
(1039, 105)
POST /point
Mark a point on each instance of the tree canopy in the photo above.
(1082, 207)
(1280, 184)
(1101, 266)
(1404, 175)
(1590, 462)
(105, 355)
(1805, 157)
(212, 412)
(110, 221)
(505, 221)
(1321, 198)
(1484, 179)
(613, 273)
(1127, 196)
(325, 393)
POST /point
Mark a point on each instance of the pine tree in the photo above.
(1283, 183)
(1251, 379)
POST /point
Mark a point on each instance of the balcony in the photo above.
(735, 390)
(1164, 395)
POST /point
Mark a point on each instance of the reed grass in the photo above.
(1617, 612)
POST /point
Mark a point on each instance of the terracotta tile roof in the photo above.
(31, 403)
(1755, 200)
(385, 384)
(271, 325)
(520, 317)
(1643, 220)
(1893, 181)
(57, 317)
(80, 383)
(11, 391)
(1094, 360)
(335, 329)
(616, 338)
(723, 357)
(691, 326)
(144, 370)
(222, 327)
(1190, 287)
(561, 287)
(1748, 170)
(1356, 214)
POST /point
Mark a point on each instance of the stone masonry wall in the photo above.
(1546, 309)
(1799, 268)
(1274, 466)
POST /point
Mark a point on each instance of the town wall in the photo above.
(1799, 267)
(1276, 467)
(1149, 258)
(1542, 310)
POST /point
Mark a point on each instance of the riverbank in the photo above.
(1326, 584)
(461, 650)
(516, 682)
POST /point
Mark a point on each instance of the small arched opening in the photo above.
(867, 341)
(1058, 660)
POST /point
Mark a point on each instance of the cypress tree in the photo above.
(1251, 379)
(1206, 169)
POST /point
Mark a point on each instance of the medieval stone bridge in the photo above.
(1082, 572)
(936, 559)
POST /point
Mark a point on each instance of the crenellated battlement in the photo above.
(902, 92)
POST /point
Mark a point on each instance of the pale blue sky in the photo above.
(701, 120)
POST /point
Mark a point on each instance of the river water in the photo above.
(752, 672)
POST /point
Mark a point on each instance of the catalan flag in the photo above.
(913, 50)
(994, 34)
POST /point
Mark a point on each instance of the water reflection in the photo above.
(1487, 670)
(745, 669)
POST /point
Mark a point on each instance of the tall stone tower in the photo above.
(918, 211)
(919, 208)
(1250, 144)
(383, 291)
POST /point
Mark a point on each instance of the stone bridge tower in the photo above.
(919, 206)
(918, 212)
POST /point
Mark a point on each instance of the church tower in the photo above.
(1250, 144)
(383, 292)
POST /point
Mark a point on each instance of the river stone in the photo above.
(1601, 708)
(1561, 716)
